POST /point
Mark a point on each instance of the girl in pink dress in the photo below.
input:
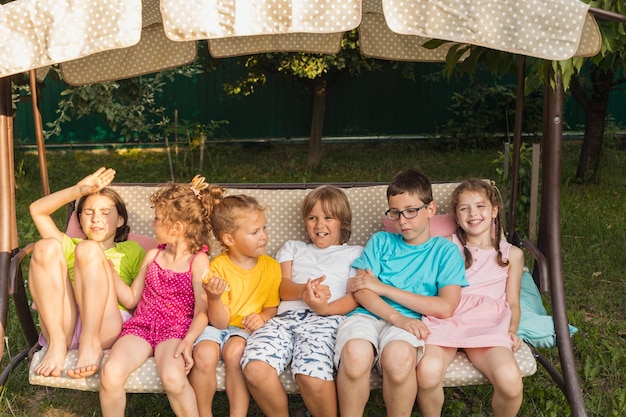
(171, 309)
(486, 320)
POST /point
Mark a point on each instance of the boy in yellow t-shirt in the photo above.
(242, 291)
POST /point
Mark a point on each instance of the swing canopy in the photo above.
(93, 41)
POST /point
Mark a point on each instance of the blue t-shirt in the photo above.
(420, 269)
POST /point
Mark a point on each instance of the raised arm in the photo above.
(42, 209)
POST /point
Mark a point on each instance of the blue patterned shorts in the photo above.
(305, 339)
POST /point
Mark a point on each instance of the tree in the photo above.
(592, 85)
(318, 72)
(590, 80)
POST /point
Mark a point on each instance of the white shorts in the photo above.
(376, 331)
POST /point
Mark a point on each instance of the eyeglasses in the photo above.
(393, 214)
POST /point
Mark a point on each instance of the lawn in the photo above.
(593, 235)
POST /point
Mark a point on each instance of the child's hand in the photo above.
(366, 281)
(412, 325)
(253, 322)
(113, 271)
(96, 181)
(320, 290)
(318, 301)
(517, 342)
(214, 286)
(184, 349)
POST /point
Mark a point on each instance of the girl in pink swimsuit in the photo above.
(169, 302)
(486, 320)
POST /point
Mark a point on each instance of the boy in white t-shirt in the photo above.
(313, 303)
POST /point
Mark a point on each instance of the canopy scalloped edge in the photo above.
(114, 45)
(38, 33)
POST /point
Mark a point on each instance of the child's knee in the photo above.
(357, 357)
(509, 381)
(88, 251)
(46, 249)
(206, 355)
(174, 379)
(430, 373)
(399, 356)
(233, 351)
(313, 386)
(111, 375)
(258, 372)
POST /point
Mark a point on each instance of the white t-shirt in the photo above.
(309, 261)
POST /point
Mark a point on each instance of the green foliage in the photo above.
(504, 180)
(468, 59)
(305, 67)
(128, 106)
(483, 114)
(190, 151)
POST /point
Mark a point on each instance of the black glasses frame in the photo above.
(393, 214)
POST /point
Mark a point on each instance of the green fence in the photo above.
(374, 104)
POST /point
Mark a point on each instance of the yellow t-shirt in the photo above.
(250, 290)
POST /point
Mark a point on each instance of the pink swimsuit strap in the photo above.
(161, 246)
(205, 249)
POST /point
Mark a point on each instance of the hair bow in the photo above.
(197, 184)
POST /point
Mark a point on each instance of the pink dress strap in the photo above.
(205, 249)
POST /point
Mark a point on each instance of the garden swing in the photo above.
(172, 27)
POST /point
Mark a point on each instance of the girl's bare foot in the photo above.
(88, 362)
(52, 362)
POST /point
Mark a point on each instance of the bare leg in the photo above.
(500, 367)
(353, 377)
(174, 378)
(206, 354)
(266, 389)
(97, 303)
(319, 396)
(53, 294)
(399, 362)
(128, 354)
(430, 373)
(236, 388)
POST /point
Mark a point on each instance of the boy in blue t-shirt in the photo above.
(400, 276)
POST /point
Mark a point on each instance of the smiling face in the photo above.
(415, 231)
(99, 219)
(475, 213)
(323, 229)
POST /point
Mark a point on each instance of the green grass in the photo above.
(594, 232)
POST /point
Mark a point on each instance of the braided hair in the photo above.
(480, 186)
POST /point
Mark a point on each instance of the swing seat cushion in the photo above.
(368, 203)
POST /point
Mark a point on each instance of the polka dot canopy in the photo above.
(112, 39)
